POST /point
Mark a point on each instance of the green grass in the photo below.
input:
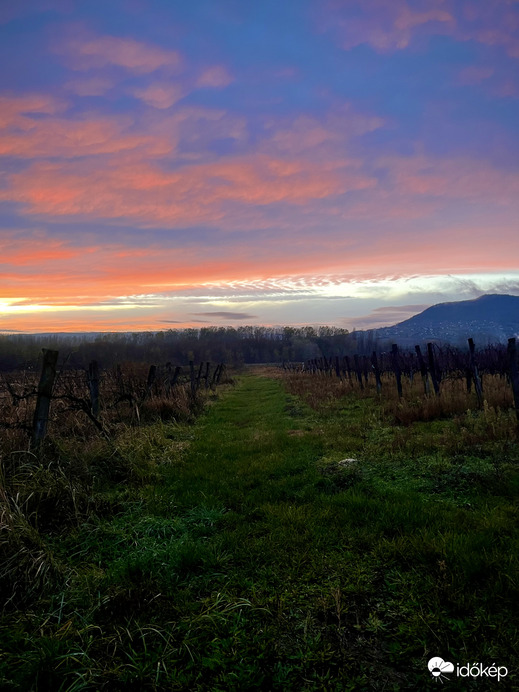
(254, 559)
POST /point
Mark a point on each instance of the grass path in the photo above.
(259, 562)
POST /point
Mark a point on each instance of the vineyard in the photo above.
(331, 524)
(71, 401)
(443, 381)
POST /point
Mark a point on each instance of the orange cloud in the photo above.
(55, 285)
(58, 137)
(196, 193)
(34, 250)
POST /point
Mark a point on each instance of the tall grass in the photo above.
(495, 419)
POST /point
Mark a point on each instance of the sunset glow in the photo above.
(178, 164)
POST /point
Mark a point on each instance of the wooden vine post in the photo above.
(396, 368)
(45, 386)
(432, 369)
(199, 375)
(358, 370)
(192, 378)
(376, 370)
(175, 376)
(93, 387)
(475, 373)
(152, 374)
(423, 369)
(514, 372)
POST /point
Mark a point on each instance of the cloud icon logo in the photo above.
(438, 666)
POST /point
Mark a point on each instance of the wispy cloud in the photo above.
(92, 86)
(385, 26)
(52, 137)
(385, 316)
(226, 315)
(87, 51)
(195, 194)
(216, 76)
(160, 94)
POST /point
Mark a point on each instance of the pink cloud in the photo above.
(160, 94)
(13, 108)
(321, 137)
(216, 76)
(84, 53)
(494, 23)
(386, 25)
(507, 88)
(456, 178)
(392, 25)
(50, 137)
(93, 86)
(196, 193)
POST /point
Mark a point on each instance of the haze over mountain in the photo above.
(489, 318)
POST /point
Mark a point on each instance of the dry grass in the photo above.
(494, 419)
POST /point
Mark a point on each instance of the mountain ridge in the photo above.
(492, 317)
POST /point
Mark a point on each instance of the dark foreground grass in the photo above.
(283, 549)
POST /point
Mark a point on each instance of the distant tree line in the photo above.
(234, 346)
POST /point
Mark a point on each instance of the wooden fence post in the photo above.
(432, 369)
(365, 369)
(348, 368)
(176, 374)
(514, 372)
(167, 379)
(93, 386)
(152, 374)
(376, 370)
(206, 375)
(41, 413)
(192, 378)
(396, 368)
(468, 378)
(199, 375)
(215, 375)
(475, 373)
(358, 370)
(423, 369)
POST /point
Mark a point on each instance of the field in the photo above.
(299, 535)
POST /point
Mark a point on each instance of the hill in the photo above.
(490, 318)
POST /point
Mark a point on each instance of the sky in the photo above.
(168, 164)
